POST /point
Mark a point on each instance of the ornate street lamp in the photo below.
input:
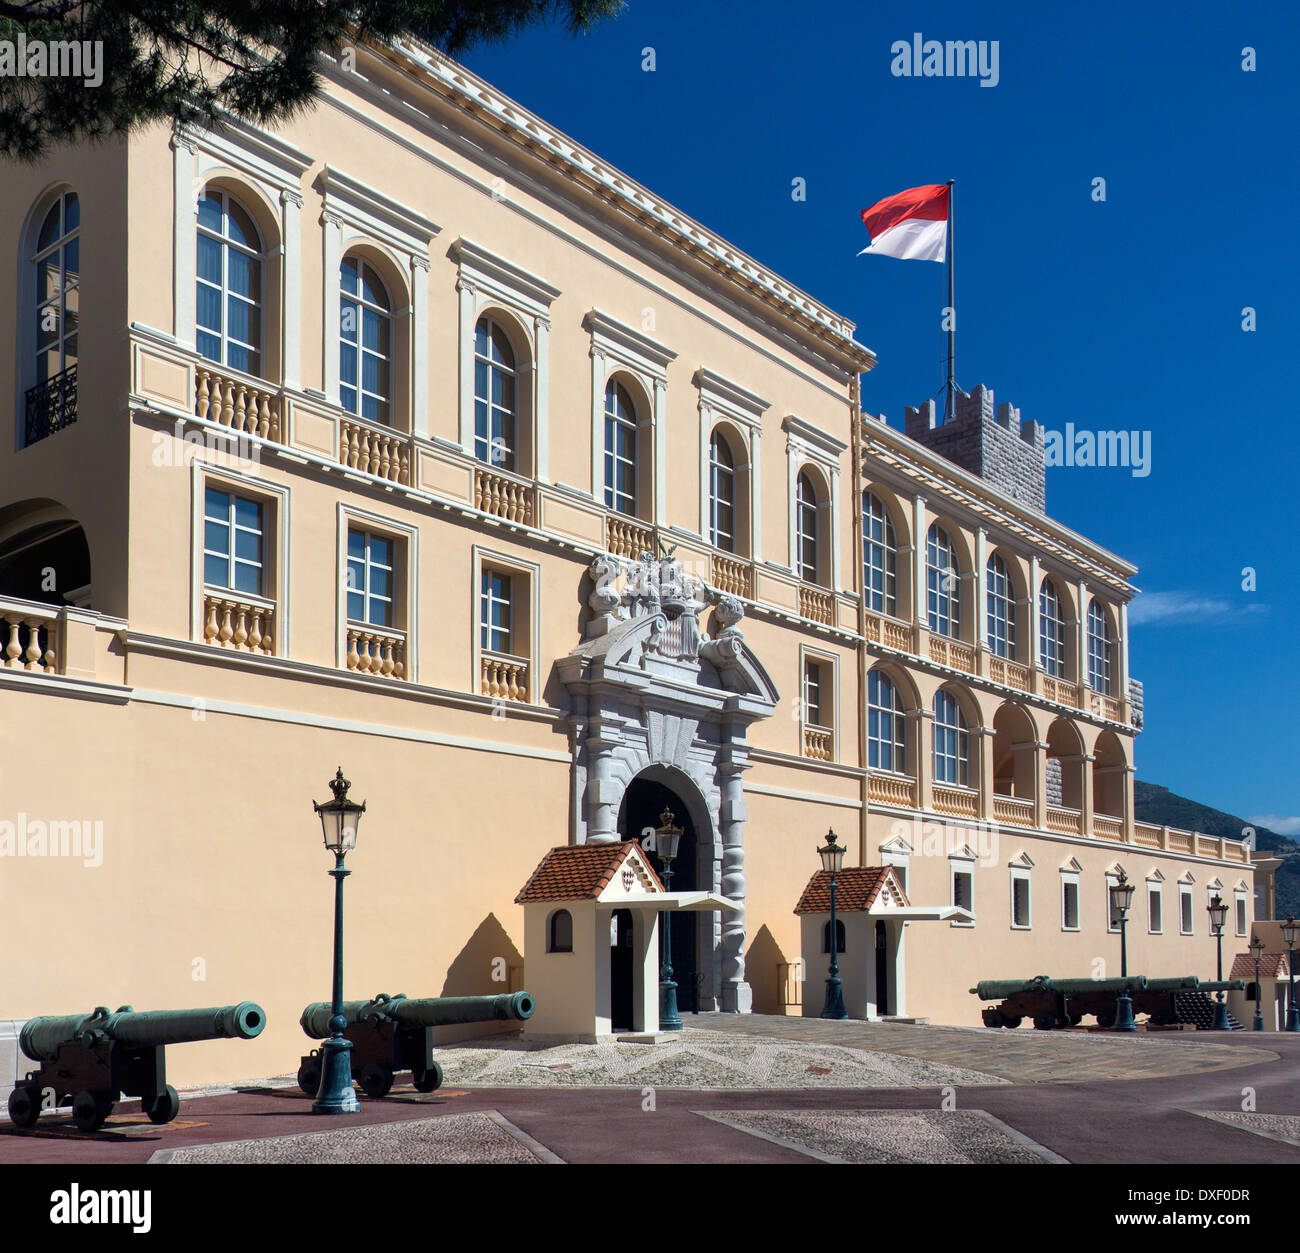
(1218, 916)
(1121, 900)
(667, 837)
(1256, 947)
(1290, 929)
(339, 820)
(832, 855)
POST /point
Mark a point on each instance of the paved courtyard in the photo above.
(755, 1089)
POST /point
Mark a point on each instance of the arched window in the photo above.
(1099, 649)
(722, 494)
(839, 936)
(1051, 631)
(1001, 609)
(58, 279)
(943, 596)
(807, 530)
(495, 409)
(879, 557)
(951, 741)
(559, 933)
(228, 309)
(886, 736)
(365, 342)
(620, 450)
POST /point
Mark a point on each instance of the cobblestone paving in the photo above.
(912, 1136)
(697, 1059)
(1020, 1056)
(461, 1138)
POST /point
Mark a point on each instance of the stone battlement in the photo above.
(986, 440)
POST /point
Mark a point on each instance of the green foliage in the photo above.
(171, 59)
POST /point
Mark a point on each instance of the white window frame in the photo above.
(1022, 874)
(1101, 649)
(204, 473)
(961, 862)
(1240, 912)
(1000, 609)
(1112, 917)
(961, 734)
(829, 664)
(1053, 662)
(1155, 925)
(1071, 878)
(896, 715)
(525, 576)
(628, 505)
(723, 402)
(406, 557)
(806, 443)
(942, 605)
(1187, 892)
(887, 548)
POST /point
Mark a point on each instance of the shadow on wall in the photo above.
(763, 959)
(488, 965)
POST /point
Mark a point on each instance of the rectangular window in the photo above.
(1155, 911)
(1020, 918)
(1112, 914)
(1241, 914)
(814, 713)
(496, 612)
(1070, 904)
(620, 465)
(963, 887)
(370, 579)
(232, 542)
(1185, 910)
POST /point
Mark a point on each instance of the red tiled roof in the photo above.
(1271, 966)
(856, 889)
(579, 872)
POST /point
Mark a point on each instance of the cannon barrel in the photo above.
(1223, 985)
(1182, 983)
(1078, 987)
(432, 1011)
(41, 1038)
(1000, 989)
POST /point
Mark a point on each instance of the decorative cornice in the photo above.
(725, 397)
(610, 337)
(477, 263)
(814, 440)
(345, 197)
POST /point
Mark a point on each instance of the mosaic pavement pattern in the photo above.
(698, 1059)
(480, 1138)
(871, 1137)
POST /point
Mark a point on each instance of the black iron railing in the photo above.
(52, 405)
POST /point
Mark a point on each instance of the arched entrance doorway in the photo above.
(44, 556)
(644, 801)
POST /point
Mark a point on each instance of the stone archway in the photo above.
(649, 694)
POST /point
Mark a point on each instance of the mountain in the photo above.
(1153, 803)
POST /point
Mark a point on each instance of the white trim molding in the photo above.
(723, 400)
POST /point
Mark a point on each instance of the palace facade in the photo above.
(414, 438)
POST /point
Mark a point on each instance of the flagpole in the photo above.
(950, 390)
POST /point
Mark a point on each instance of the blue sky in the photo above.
(1125, 314)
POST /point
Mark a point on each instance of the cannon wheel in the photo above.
(1106, 1021)
(164, 1107)
(1044, 1022)
(90, 1111)
(24, 1107)
(427, 1080)
(309, 1076)
(376, 1080)
(1012, 1023)
(992, 1018)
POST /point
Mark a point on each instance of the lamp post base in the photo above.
(1221, 1022)
(1293, 1019)
(669, 1018)
(336, 1095)
(834, 1007)
(1258, 1024)
(1124, 1020)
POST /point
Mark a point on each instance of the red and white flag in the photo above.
(912, 226)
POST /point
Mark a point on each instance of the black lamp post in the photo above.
(339, 819)
(667, 837)
(1218, 916)
(1121, 899)
(832, 855)
(1256, 947)
(1290, 929)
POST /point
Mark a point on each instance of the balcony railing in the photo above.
(731, 576)
(1064, 821)
(1009, 673)
(818, 743)
(1107, 827)
(959, 801)
(887, 789)
(890, 632)
(374, 650)
(51, 405)
(242, 624)
(504, 498)
(951, 653)
(628, 539)
(237, 403)
(816, 605)
(1059, 690)
(503, 677)
(1014, 810)
(380, 453)
(29, 639)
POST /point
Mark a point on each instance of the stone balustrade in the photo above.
(1013, 810)
(243, 624)
(888, 789)
(818, 743)
(624, 538)
(504, 498)
(236, 403)
(381, 453)
(28, 639)
(952, 653)
(1064, 821)
(959, 802)
(1009, 673)
(816, 605)
(373, 650)
(730, 576)
(503, 677)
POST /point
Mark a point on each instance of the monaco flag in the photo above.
(912, 226)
